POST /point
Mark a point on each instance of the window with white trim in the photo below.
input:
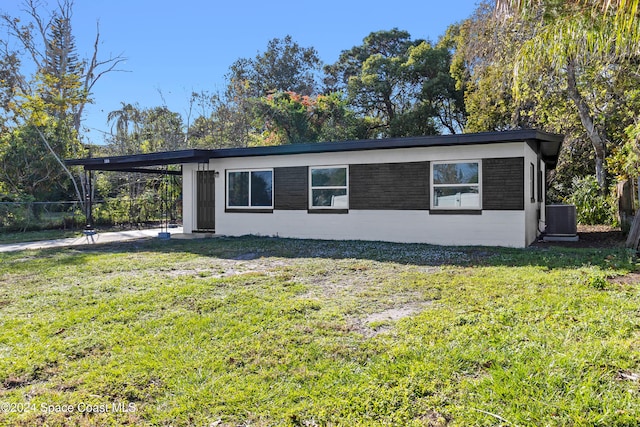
(329, 187)
(456, 185)
(250, 189)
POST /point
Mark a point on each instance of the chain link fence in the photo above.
(123, 211)
(27, 216)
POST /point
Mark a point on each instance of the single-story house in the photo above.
(469, 189)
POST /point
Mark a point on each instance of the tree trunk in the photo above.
(597, 140)
(62, 165)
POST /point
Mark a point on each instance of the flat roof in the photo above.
(549, 145)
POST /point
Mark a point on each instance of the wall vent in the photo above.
(561, 220)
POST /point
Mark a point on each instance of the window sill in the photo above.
(328, 211)
(455, 212)
(249, 210)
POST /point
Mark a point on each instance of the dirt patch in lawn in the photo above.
(395, 313)
(632, 278)
(219, 268)
(383, 321)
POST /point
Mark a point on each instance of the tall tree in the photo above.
(402, 85)
(572, 39)
(146, 130)
(161, 130)
(127, 121)
(481, 68)
(623, 14)
(25, 169)
(9, 87)
(508, 84)
(371, 75)
(219, 122)
(284, 67)
(288, 117)
(61, 85)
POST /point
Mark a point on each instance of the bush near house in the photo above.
(592, 207)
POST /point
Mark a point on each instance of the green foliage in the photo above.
(625, 160)
(284, 66)
(26, 165)
(161, 130)
(139, 203)
(598, 280)
(9, 87)
(592, 207)
(44, 88)
(559, 67)
(587, 57)
(145, 130)
(575, 161)
(15, 217)
(482, 68)
(336, 121)
(127, 121)
(24, 214)
(288, 117)
(403, 84)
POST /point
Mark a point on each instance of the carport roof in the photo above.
(142, 162)
(549, 146)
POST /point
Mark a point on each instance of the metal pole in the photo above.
(88, 200)
(88, 230)
(166, 198)
(164, 194)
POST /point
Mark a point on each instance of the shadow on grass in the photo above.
(252, 247)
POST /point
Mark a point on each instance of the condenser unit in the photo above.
(562, 222)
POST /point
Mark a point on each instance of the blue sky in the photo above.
(188, 45)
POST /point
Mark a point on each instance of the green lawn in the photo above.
(262, 332)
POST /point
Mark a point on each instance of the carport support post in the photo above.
(88, 200)
(164, 190)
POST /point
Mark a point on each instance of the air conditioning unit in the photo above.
(562, 222)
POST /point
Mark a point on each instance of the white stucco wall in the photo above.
(493, 228)
(531, 208)
(501, 228)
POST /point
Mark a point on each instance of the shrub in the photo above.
(591, 206)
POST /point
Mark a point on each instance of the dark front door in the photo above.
(206, 213)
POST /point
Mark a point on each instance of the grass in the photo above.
(262, 332)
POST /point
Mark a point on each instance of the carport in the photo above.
(152, 163)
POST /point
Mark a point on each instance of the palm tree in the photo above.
(127, 116)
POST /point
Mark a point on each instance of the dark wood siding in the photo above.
(503, 184)
(389, 186)
(291, 188)
(206, 201)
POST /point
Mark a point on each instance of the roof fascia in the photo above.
(549, 146)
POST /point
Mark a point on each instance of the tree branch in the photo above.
(61, 163)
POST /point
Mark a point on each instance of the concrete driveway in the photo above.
(114, 236)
